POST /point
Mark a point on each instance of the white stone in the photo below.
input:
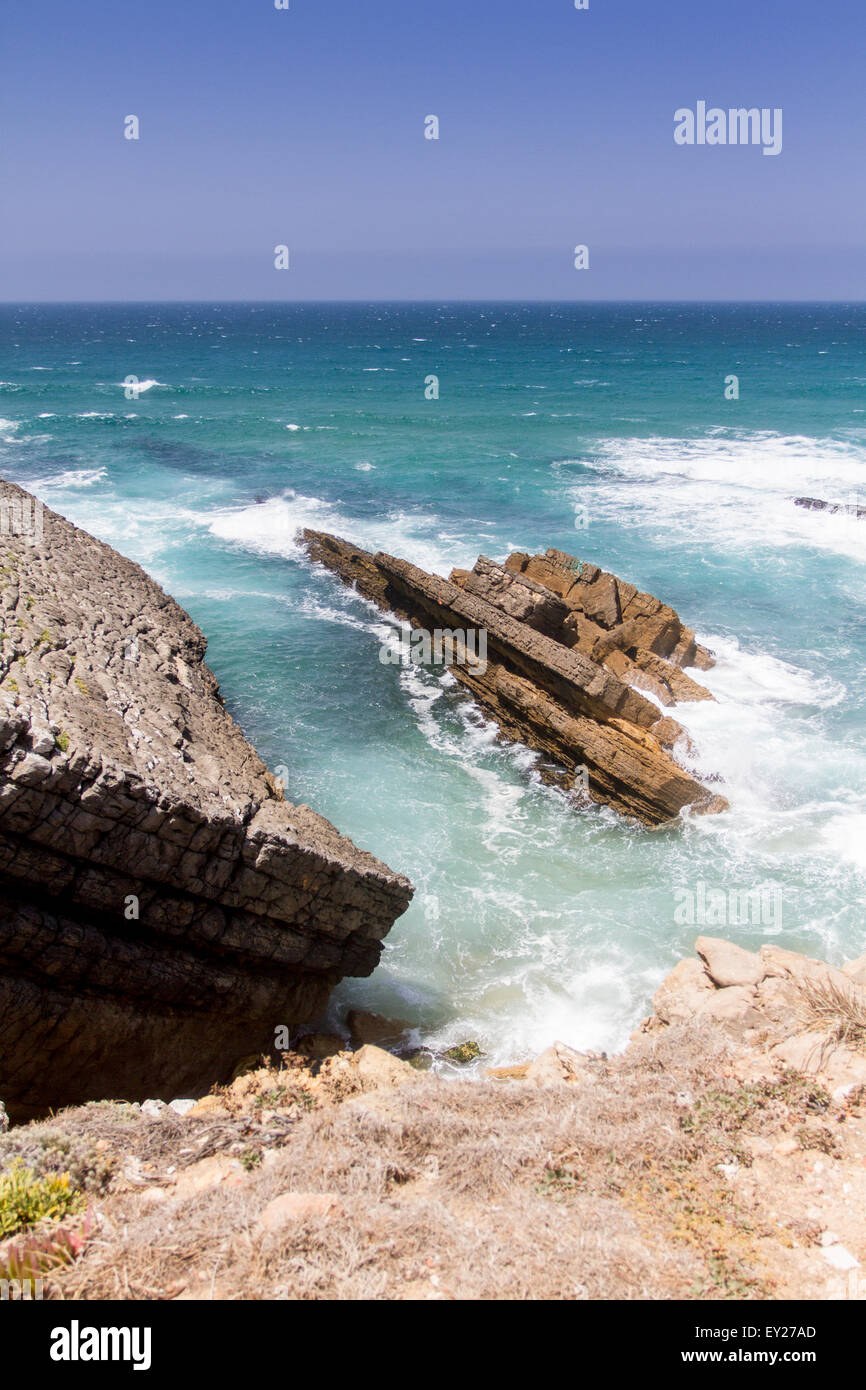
(840, 1258)
(181, 1107)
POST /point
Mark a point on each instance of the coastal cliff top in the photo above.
(720, 1156)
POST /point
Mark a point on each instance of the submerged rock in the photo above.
(163, 908)
(463, 1053)
(816, 504)
(569, 650)
(373, 1028)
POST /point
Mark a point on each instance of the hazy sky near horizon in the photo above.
(305, 127)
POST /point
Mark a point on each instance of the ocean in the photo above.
(603, 430)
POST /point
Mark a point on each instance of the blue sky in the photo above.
(306, 127)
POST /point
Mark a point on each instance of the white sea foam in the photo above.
(781, 774)
(272, 527)
(844, 836)
(140, 386)
(731, 492)
(71, 477)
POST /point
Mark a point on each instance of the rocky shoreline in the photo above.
(166, 917)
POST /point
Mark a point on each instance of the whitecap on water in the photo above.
(732, 492)
(273, 527)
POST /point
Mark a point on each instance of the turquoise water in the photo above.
(532, 920)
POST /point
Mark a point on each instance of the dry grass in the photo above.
(606, 1188)
(837, 1010)
(602, 1189)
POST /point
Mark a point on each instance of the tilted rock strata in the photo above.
(126, 787)
(542, 683)
(632, 633)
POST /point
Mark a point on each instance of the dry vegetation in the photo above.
(607, 1188)
(837, 1010)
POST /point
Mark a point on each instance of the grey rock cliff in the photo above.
(126, 788)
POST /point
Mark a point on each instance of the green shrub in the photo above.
(26, 1199)
(48, 1152)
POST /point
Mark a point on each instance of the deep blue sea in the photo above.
(532, 920)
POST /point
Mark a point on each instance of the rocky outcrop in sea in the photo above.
(572, 654)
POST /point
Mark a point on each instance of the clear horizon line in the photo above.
(270, 303)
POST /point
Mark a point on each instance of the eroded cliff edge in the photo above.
(162, 907)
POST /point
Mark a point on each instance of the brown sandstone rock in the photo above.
(542, 689)
(728, 964)
(218, 1171)
(778, 962)
(856, 970)
(209, 1105)
(818, 1053)
(734, 1007)
(763, 1000)
(682, 993)
(669, 733)
(377, 1069)
(557, 1064)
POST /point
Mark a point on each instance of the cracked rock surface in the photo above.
(162, 907)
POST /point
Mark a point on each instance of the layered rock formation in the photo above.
(162, 907)
(570, 652)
